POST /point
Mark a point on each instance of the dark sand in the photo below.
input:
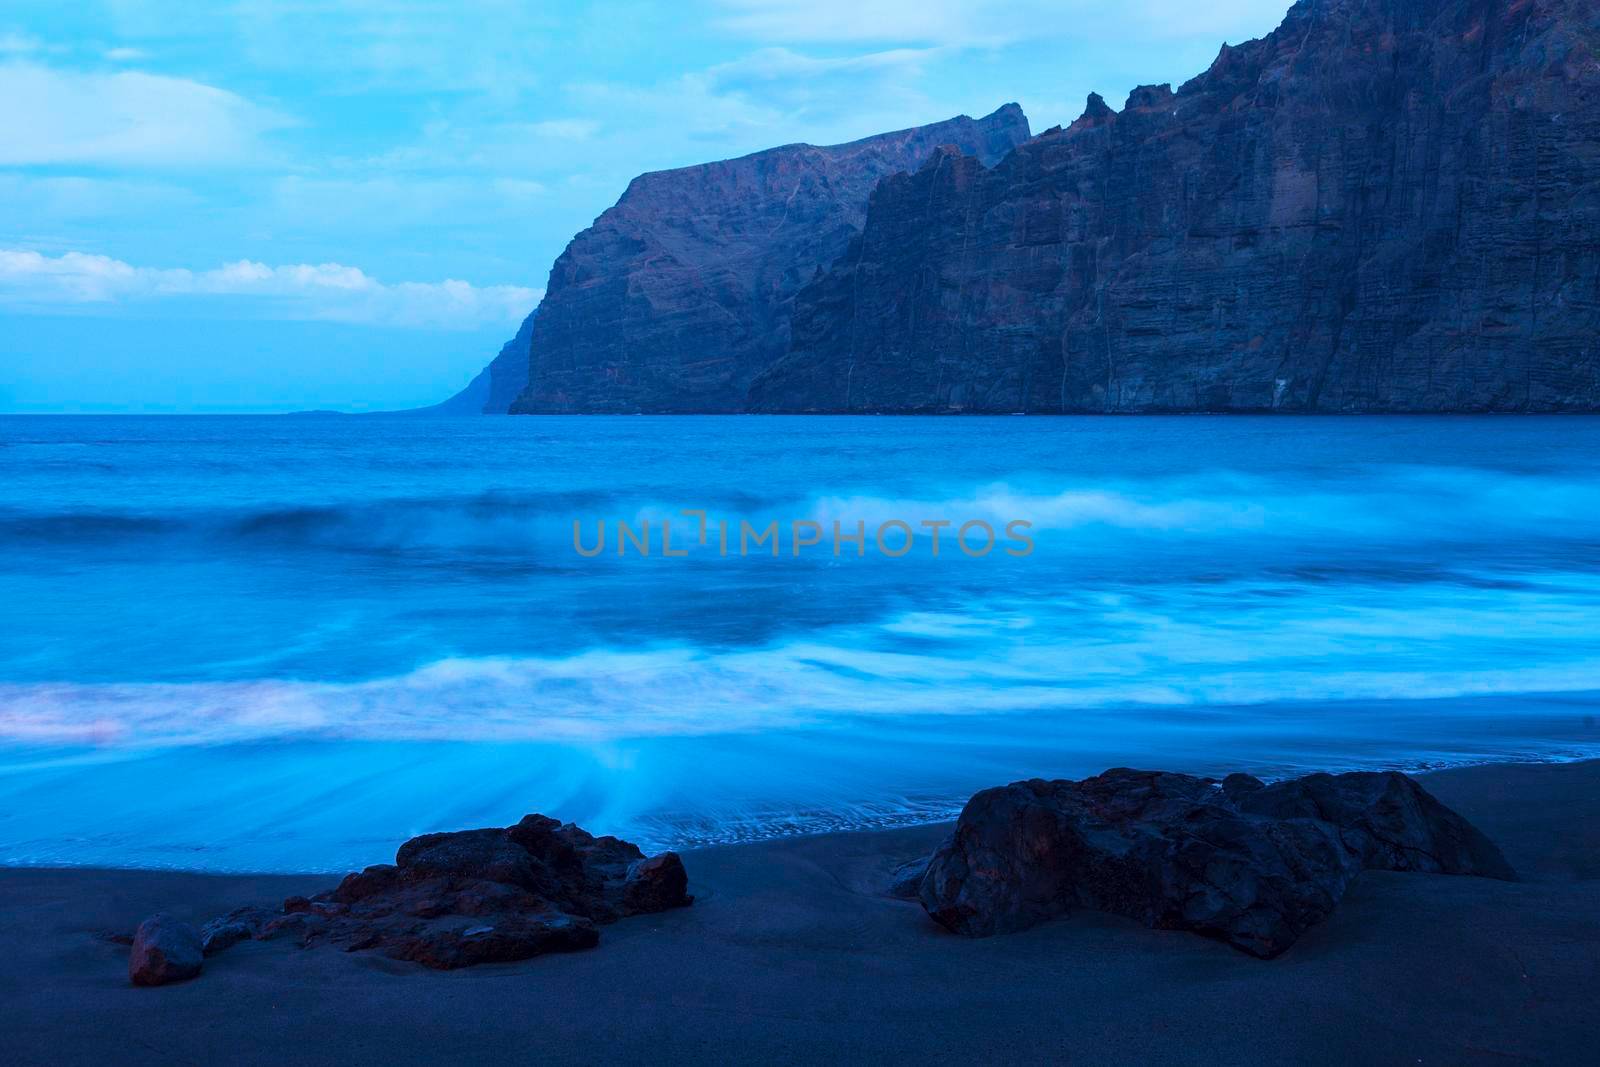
(792, 955)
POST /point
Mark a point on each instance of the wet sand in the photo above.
(793, 954)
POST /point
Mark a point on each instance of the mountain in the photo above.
(497, 385)
(679, 294)
(1384, 205)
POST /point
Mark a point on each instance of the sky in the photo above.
(277, 205)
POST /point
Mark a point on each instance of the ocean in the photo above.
(288, 643)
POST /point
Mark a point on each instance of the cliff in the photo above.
(1384, 205)
(680, 294)
(497, 385)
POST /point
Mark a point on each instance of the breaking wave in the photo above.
(999, 657)
(321, 636)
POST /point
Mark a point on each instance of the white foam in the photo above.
(1184, 647)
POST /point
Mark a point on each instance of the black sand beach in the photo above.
(792, 954)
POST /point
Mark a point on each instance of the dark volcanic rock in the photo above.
(1384, 205)
(679, 294)
(653, 884)
(1252, 864)
(476, 896)
(164, 950)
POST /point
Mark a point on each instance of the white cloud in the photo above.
(56, 116)
(327, 291)
(126, 55)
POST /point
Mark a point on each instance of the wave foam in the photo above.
(996, 657)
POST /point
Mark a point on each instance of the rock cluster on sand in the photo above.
(472, 896)
(1252, 864)
(164, 950)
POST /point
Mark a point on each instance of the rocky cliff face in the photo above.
(1385, 205)
(498, 384)
(680, 294)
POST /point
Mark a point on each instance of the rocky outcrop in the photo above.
(680, 294)
(498, 384)
(474, 896)
(164, 951)
(1252, 864)
(1384, 205)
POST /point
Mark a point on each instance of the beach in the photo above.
(792, 952)
(767, 532)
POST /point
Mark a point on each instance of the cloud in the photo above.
(19, 44)
(31, 200)
(405, 202)
(326, 292)
(738, 104)
(938, 21)
(987, 23)
(565, 129)
(782, 64)
(126, 118)
(466, 46)
(126, 55)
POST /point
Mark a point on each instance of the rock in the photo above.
(164, 950)
(1382, 206)
(482, 854)
(679, 293)
(478, 896)
(462, 943)
(1252, 864)
(655, 884)
(299, 926)
(238, 925)
(905, 881)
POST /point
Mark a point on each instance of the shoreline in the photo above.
(792, 951)
(888, 823)
(1427, 775)
(342, 804)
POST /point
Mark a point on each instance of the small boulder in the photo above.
(164, 950)
(656, 884)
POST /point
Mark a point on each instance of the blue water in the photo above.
(288, 643)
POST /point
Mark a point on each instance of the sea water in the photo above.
(288, 643)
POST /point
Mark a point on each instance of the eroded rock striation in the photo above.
(1251, 864)
(474, 896)
(679, 294)
(1382, 206)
